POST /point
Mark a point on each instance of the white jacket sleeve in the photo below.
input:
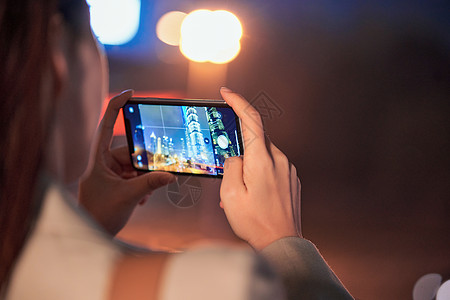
(219, 274)
(304, 272)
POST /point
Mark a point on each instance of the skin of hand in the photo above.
(110, 189)
(260, 192)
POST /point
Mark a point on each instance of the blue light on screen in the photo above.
(115, 22)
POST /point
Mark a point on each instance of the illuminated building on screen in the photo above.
(165, 145)
(158, 147)
(152, 145)
(194, 136)
(222, 144)
(188, 148)
(158, 156)
(171, 145)
(183, 148)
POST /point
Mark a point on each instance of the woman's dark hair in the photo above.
(24, 57)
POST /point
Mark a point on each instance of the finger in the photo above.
(269, 147)
(296, 199)
(122, 156)
(281, 165)
(285, 169)
(109, 119)
(140, 186)
(232, 181)
(252, 127)
(278, 157)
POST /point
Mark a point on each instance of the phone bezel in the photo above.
(178, 102)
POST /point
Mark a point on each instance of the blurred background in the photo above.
(357, 94)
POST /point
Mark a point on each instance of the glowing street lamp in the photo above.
(115, 22)
(212, 36)
(203, 36)
(168, 28)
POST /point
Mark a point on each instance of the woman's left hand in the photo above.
(111, 189)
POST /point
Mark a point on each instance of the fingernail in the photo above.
(225, 89)
(128, 91)
(171, 179)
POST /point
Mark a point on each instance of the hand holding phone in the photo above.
(181, 136)
(110, 189)
(260, 191)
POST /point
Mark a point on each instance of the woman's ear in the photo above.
(58, 59)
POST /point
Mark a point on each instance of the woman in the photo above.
(53, 78)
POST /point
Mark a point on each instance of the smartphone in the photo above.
(182, 136)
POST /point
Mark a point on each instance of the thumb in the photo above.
(145, 184)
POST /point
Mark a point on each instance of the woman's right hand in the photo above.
(260, 191)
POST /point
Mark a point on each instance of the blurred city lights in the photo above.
(115, 22)
(202, 35)
(211, 36)
(168, 27)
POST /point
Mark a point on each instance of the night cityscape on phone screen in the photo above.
(185, 139)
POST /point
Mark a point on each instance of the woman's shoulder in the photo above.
(67, 256)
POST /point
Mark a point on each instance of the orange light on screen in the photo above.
(119, 127)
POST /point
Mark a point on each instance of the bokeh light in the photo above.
(115, 22)
(444, 291)
(427, 286)
(212, 36)
(168, 27)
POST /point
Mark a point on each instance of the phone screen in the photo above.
(181, 136)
